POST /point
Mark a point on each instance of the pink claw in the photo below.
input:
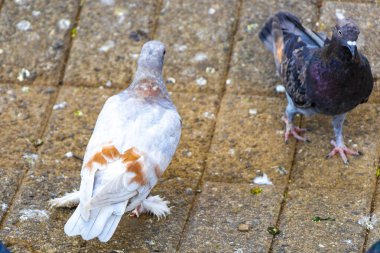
(294, 131)
(342, 151)
(136, 213)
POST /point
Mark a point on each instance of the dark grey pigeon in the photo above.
(320, 75)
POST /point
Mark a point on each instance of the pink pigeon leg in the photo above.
(339, 147)
(294, 131)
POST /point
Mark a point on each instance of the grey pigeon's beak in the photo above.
(351, 45)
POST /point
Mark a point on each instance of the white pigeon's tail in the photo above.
(102, 222)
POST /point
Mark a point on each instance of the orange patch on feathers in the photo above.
(130, 155)
(97, 158)
(136, 168)
(110, 152)
(129, 158)
(279, 49)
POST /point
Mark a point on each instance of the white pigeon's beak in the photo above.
(351, 45)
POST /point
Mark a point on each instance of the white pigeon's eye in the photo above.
(340, 33)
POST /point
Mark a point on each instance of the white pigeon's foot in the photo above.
(154, 205)
(294, 131)
(342, 151)
(136, 213)
(69, 200)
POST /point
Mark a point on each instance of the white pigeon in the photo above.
(134, 140)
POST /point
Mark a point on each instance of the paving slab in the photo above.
(221, 208)
(34, 35)
(198, 119)
(30, 222)
(147, 234)
(361, 132)
(22, 114)
(249, 140)
(72, 121)
(299, 233)
(10, 174)
(108, 41)
(365, 15)
(252, 66)
(53, 174)
(198, 38)
(375, 95)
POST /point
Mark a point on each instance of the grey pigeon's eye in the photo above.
(340, 33)
(164, 52)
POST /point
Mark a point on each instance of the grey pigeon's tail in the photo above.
(288, 25)
(283, 33)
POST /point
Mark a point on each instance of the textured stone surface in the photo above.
(227, 139)
(221, 208)
(33, 36)
(198, 118)
(299, 233)
(361, 132)
(147, 234)
(198, 37)
(69, 132)
(252, 66)
(22, 112)
(53, 174)
(375, 95)
(31, 223)
(108, 41)
(368, 21)
(249, 137)
(10, 174)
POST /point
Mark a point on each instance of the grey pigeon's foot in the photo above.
(293, 130)
(342, 151)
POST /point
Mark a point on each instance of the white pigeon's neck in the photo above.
(148, 82)
(145, 73)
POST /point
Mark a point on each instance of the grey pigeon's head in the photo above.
(346, 31)
(152, 57)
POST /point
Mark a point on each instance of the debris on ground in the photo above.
(318, 219)
(60, 106)
(243, 227)
(273, 230)
(262, 179)
(368, 222)
(256, 190)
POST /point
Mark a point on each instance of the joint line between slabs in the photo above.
(286, 190)
(156, 20)
(372, 208)
(221, 96)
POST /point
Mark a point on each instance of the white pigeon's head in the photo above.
(152, 56)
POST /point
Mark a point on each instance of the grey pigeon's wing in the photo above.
(367, 76)
(292, 45)
(294, 73)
